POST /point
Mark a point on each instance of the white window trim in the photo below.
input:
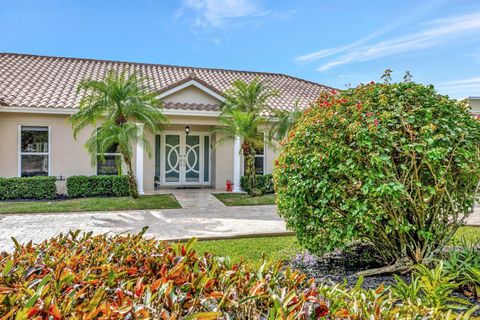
(264, 155)
(19, 148)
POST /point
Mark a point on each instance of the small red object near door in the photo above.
(229, 186)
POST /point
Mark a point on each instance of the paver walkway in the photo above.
(202, 216)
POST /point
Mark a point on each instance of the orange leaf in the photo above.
(120, 294)
(139, 287)
(132, 270)
(55, 312)
(380, 289)
(156, 284)
(256, 288)
(216, 294)
(33, 311)
(6, 290)
(342, 313)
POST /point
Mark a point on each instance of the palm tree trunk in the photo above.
(249, 155)
(132, 182)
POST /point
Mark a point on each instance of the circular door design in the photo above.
(192, 158)
(172, 158)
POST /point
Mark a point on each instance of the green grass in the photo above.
(243, 199)
(471, 234)
(252, 249)
(281, 248)
(161, 201)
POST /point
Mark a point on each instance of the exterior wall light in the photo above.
(187, 130)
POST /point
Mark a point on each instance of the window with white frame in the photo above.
(259, 160)
(110, 162)
(34, 151)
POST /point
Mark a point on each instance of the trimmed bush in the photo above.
(263, 183)
(80, 276)
(396, 164)
(28, 188)
(97, 186)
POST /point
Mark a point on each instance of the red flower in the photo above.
(375, 122)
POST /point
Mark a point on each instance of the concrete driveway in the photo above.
(201, 216)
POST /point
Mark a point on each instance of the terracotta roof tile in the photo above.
(191, 106)
(51, 82)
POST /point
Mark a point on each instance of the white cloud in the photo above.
(462, 87)
(431, 34)
(215, 13)
(333, 51)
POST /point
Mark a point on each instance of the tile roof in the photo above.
(191, 106)
(51, 82)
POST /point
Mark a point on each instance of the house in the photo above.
(39, 93)
(474, 103)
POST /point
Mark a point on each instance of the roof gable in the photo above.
(191, 82)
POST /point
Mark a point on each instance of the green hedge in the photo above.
(28, 188)
(264, 183)
(97, 186)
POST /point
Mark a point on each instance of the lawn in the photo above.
(281, 248)
(243, 199)
(160, 201)
(252, 249)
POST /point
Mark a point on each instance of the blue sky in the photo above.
(327, 41)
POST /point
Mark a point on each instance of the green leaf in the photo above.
(8, 267)
(33, 299)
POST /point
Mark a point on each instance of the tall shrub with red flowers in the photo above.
(396, 164)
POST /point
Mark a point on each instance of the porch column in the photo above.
(236, 165)
(139, 160)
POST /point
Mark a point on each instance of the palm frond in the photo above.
(248, 97)
(283, 121)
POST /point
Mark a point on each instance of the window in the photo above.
(110, 162)
(259, 160)
(34, 151)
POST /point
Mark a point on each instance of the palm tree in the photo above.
(243, 111)
(283, 121)
(119, 102)
(248, 97)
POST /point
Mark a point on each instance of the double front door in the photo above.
(184, 159)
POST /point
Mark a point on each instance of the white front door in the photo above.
(185, 159)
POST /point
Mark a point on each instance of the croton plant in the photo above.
(81, 276)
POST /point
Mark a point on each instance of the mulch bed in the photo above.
(340, 266)
(59, 197)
